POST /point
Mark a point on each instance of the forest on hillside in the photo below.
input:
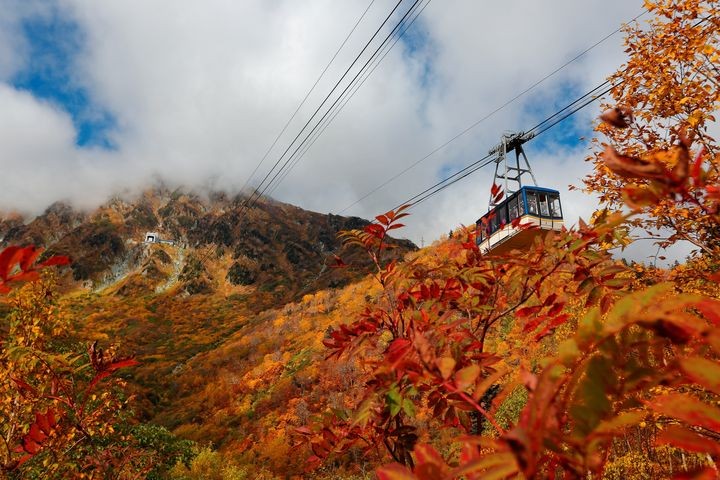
(558, 361)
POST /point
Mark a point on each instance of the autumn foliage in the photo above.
(558, 361)
(599, 357)
(58, 407)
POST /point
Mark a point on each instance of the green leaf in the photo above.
(702, 371)
(394, 401)
(466, 376)
(408, 407)
(688, 409)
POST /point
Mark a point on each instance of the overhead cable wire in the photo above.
(372, 57)
(326, 123)
(307, 95)
(258, 191)
(489, 115)
(487, 160)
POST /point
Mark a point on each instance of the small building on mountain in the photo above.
(154, 237)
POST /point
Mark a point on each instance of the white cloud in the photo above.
(200, 89)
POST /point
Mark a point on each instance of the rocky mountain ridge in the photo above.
(215, 243)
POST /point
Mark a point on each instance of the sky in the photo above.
(105, 97)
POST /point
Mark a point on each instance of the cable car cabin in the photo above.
(534, 205)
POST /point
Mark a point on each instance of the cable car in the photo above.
(498, 231)
(532, 205)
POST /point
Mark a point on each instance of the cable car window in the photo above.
(494, 222)
(532, 202)
(502, 215)
(544, 207)
(515, 207)
(555, 208)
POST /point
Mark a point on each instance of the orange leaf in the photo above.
(466, 376)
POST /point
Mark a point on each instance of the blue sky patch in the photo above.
(54, 42)
(570, 132)
(418, 47)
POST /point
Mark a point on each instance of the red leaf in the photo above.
(24, 386)
(533, 324)
(688, 440)
(36, 434)
(8, 258)
(46, 422)
(128, 362)
(427, 454)
(383, 219)
(375, 230)
(696, 169)
(56, 260)
(96, 379)
(710, 309)
(22, 460)
(29, 255)
(687, 409)
(319, 450)
(555, 309)
(639, 196)
(394, 471)
(30, 446)
(702, 371)
(631, 167)
(397, 350)
(550, 299)
(527, 311)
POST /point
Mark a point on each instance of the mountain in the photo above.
(277, 248)
(227, 318)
